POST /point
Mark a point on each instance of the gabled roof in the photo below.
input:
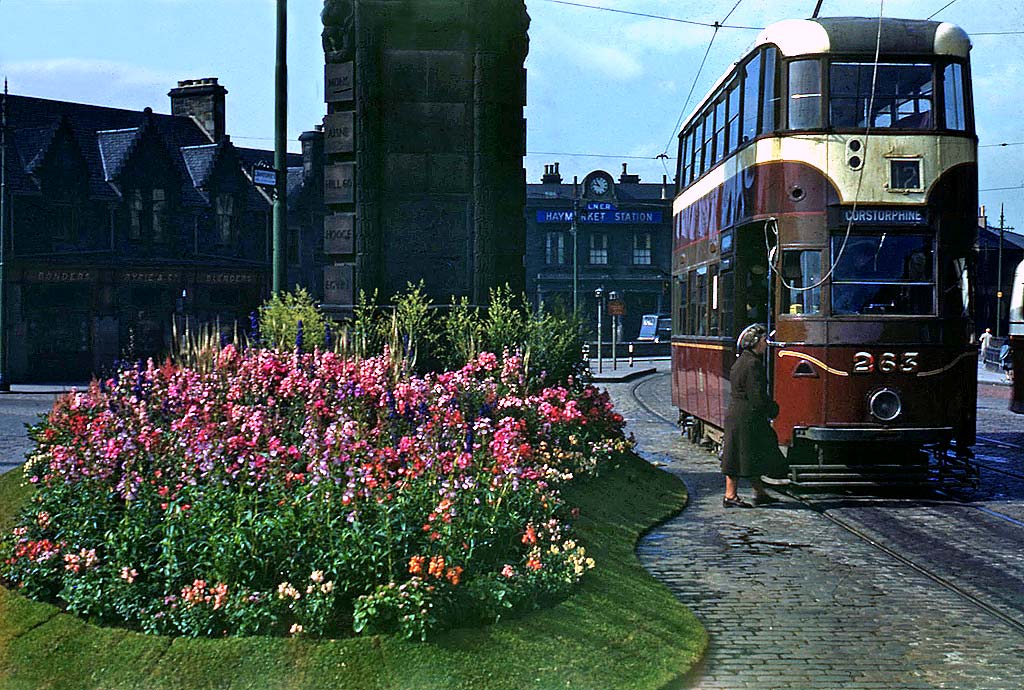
(115, 147)
(106, 138)
(200, 161)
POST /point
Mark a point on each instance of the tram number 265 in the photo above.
(887, 362)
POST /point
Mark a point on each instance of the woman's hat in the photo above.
(750, 335)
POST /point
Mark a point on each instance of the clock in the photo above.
(599, 186)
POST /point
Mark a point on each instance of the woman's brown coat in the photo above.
(750, 447)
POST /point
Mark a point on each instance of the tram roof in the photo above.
(852, 35)
(860, 34)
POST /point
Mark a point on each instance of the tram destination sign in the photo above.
(878, 215)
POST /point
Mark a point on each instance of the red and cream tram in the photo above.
(1017, 339)
(827, 186)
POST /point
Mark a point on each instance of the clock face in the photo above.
(599, 185)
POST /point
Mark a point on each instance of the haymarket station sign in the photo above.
(601, 212)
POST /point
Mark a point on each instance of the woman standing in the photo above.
(750, 447)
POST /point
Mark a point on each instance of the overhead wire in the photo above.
(942, 8)
(716, 25)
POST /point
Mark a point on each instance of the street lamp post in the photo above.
(575, 258)
(5, 381)
(280, 148)
(598, 297)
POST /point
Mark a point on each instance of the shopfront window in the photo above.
(883, 273)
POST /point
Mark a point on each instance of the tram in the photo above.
(1017, 339)
(827, 186)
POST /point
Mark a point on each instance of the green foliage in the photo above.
(461, 335)
(279, 318)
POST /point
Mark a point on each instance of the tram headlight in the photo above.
(885, 404)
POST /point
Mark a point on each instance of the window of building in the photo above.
(294, 235)
(159, 213)
(953, 87)
(554, 248)
(599, 248)
(804, 94)
(136, 207)
(642, 249)
(65, 222)
(225, 210)
(902, 100)
(883, 273)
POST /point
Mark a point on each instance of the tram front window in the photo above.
(902, 100)
(883, 273)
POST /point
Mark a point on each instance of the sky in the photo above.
(603, 88)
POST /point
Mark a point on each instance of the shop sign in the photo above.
(338, 233)
(338, 284)
(338, 82)
(339, 183)
(339, 132)
(616, 308)
(225, 278)
(151, 276)
(58, 276)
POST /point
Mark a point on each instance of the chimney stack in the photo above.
(203, 100)
(312, 152)
(982, 217)
(551, 175)
(625, 177)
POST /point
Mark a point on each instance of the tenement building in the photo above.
(622, 233)
(424, 139)
(121, 223)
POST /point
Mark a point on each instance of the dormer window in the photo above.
(159, 213)
(225, 209)
(136, 209)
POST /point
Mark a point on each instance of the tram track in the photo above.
(948, 584)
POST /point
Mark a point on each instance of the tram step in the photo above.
(889, 483)
(875, 468)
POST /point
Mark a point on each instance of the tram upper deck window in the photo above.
(804, 94)
(953, 94)
(883, 273)
(902, 100)
(751, 97)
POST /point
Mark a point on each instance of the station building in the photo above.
(994, 264)
(623, 232)
(122, 223)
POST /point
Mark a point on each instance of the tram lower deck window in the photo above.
(801, 274)
(883, 273)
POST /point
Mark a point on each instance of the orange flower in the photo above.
(436, 566)
(416, 564)
(531, 535)
(454, 575)
(533, 563)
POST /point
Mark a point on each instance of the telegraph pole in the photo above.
(5, 380)
(575, 260)
(280, 148)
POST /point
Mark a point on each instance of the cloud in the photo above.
(101, 82)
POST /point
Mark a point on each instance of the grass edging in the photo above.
(621, 629)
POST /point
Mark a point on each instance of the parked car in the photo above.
(656, 328)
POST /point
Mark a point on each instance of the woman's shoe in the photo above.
(736, 502)
(764, 500)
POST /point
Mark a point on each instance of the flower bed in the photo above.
(307, 494)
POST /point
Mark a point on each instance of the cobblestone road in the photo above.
(793, 601)
(17, 410)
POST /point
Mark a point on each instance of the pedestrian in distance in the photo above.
(985, 340)
(750, 447)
